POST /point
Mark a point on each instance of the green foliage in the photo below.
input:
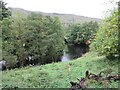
(80, 33)
(4, 12)
(4, 19)
(46, 37)
(58, 75)
(11, 40)
(37, 35)
(106, 41)
(5, 36)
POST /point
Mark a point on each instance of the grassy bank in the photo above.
(58, 75)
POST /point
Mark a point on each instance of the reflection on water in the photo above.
(65, 57)
(74, 51)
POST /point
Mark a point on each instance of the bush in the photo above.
(106, 41)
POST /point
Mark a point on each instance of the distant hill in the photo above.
(64, 18)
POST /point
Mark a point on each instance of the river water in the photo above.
(65, 57)
(74, 51)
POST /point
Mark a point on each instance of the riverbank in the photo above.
(58, 75)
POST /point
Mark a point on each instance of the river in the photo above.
(74, 51)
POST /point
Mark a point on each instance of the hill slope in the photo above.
(64, 18)
(58, 75)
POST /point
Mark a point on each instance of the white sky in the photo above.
(89, 8)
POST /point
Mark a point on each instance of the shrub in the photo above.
(106, 41)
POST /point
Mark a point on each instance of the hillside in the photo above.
(64, 18)
(59, 75)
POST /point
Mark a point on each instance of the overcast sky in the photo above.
(89, 8)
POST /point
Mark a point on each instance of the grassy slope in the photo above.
(58, 75)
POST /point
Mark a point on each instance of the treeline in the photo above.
(34, 39)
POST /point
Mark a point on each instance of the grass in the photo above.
(58, 75)
(0, 48)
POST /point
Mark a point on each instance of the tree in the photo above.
(80, 33)
(4, 12)
(11, 37)
(46, 41)
(37, 36)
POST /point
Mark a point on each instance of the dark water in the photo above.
(74, 51)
